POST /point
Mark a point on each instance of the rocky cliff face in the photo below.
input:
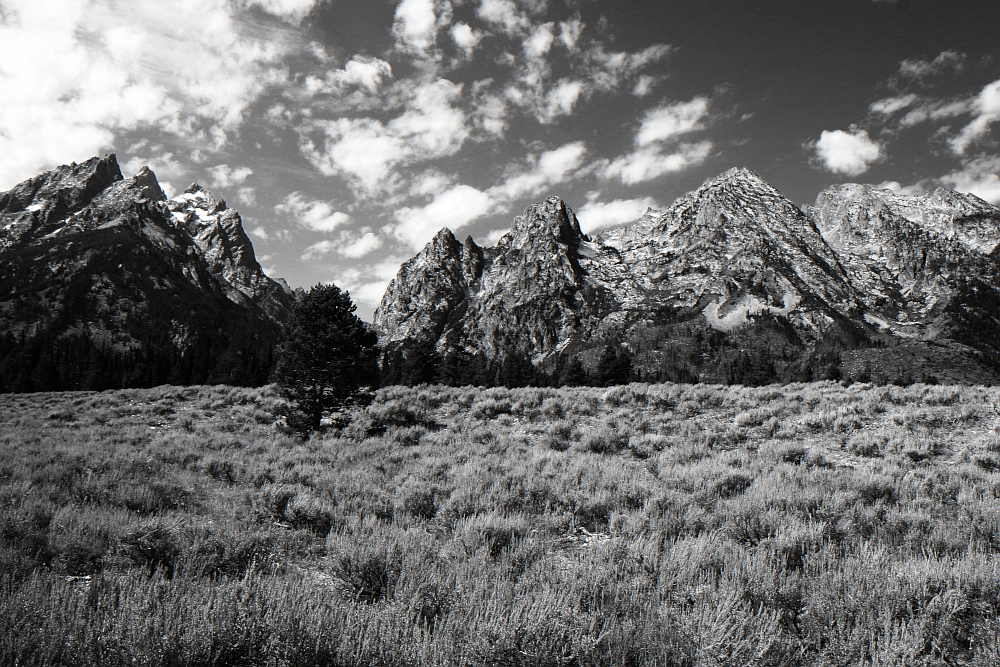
(106, 283)
(732, 283)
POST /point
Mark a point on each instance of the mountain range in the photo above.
(732, 283)
(105, 282)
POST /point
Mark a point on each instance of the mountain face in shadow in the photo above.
(106, 283)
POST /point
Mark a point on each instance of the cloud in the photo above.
(649, 162)
(935, 110)
(538, 172)
(416, 25)
(364, 244)
(503, 14)
(644, 85)
(453, 208)
(849, 153)
(315, 215)
(359, 72)
(466, 38)
(539, 41)
(264, 234)
(887, 106)
(978, 176)
(569, 33)
(595, 215)
(294, 10)
(367, 285)
(87, 72)
(899, 188)
(986, 109)
(609, 71)
(946, 61)
(561, 99)
(349, 244)
(656, 151)
(366, 150)
(222, 176)
(247, 196)
(672, 120)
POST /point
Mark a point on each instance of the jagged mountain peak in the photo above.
(65, 189)
(738, 175)
(197, 197)
(550, 219)
(445, 240)
(145, 181)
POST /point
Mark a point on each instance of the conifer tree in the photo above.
(573, 374)
(328, 356)
(613, 367)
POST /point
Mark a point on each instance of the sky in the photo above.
(347, 133)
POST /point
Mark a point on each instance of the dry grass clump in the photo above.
(807, 524)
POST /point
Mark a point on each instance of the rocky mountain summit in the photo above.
(732, 283)
(107, 283)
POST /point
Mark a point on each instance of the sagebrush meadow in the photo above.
(811, 524)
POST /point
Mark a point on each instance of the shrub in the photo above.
(369, 577)
(731, 485)
(152, 545)
(604, 441)
(420, 503)
(430, 604)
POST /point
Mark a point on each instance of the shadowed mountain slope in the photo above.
(105, 283)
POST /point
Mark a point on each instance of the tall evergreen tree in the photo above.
(573, 375)
(420, 363)
(614, 366)
(328, 356)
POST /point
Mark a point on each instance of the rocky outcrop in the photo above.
(733, 281)
(226, 248)
(106, 283)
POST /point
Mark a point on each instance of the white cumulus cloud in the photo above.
(980, 177)
(319, 216)
(453, 208)
(466, 38)
(85, 72)
(672, 120)
(416, 24)
(849, 153)
(367, 151)
(223, 176)
(596, 215)
(888, 106)
(918, 68)
(360, 72)
(538, 172)
(649, 162)
(986, 109)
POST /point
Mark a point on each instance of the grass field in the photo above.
(808, 524)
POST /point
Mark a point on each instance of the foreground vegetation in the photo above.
(811, 524)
